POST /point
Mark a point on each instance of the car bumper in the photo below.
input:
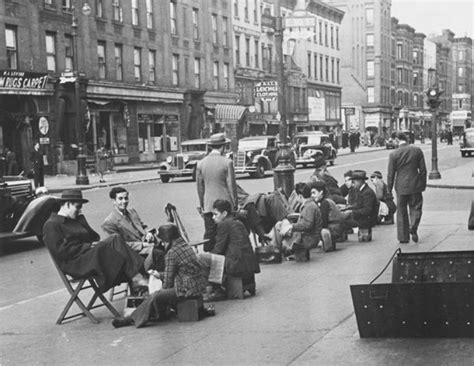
(176, 173)
(303, 160)
(245, 169)
(467, 149)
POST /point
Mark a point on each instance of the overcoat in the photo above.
(309, 224)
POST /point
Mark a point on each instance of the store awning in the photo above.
(229, 112)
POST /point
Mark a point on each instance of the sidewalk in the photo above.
(460, 177)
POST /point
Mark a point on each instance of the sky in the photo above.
(432, 16)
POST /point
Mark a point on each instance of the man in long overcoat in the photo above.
(215, 180)
(407, 172)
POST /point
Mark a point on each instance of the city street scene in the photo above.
(236, 182)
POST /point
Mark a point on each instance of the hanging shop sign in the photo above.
(12, 79)
(267, 91)
(43, 125)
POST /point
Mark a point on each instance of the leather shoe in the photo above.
(403, 241)
(122, 322)
(414, 237)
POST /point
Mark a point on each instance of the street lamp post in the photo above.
(81, 177)
(433, 94)
(283, 174)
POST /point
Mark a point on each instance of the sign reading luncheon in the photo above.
(12, 79)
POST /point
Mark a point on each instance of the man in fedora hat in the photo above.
(407, 172)
(215, 180)
(365, 208)
(76, 248)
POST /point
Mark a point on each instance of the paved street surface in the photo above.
(302, 313)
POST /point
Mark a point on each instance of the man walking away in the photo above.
(215, 180)
(407, 172)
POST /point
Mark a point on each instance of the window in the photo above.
(152, 65)
(315, 66)
(338, 80)
(149, 14)
(215, 75)
(197, 72)
(309, 64)
(399, 75)
(137, 63)
(236, 8)
(320, 32)
(174, 69)
(186, 70)
(415, 100)
(332, 37)
(247, 52)
(68, 51)
(461, 88)
(461, 72)
(337, 38)
(369, 40)
(332, 71)
(370, 94)
(400, 97)
(255, 11)
(135, 18)
(173, 20)
(399, 51)
(48, 3)
(237, 49)
(270, 58)
(101, 58)
(415, 78)
(369, 16)
(370, 69)
(51, 51)
(246, 9)
(12, 49)
(66, 5)
(117, 6)
(99, 8)
(257, 56)
(214, 28)
(461, 55)
(416, 57)
(225, 31)
(327, 68)
(326, 34)
(118, 62)
(195, 23)
(321, 76)
(226, 76)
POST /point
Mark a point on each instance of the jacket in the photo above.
(366, 208)
(406, 170)
(132, 231)
(215, 180)
(232, 241)
(309, 224)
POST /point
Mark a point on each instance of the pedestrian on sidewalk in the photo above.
(407, 173)
(12, 164)
(36, 158)
(215, 179)
(101, 157)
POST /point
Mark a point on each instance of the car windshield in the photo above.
(470, 134)
(194, 147)
(252, 144)
(308, 140)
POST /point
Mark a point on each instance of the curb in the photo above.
(449, 186)
(103, 185)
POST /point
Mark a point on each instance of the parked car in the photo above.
(256, 155)
(184, 163)
(467, 142)
(311, 145)
(16, 192)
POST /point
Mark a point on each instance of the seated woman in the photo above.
(232, 241)
(76, 248)
(183, 279)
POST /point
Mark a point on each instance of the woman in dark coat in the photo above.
(75, 247)
(232, 241)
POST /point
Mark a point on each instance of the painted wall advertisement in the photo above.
(317, 109)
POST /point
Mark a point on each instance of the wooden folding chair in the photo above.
(74, 287)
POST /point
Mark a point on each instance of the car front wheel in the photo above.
(260, 173)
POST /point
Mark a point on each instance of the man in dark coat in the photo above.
(36, 158)
(76, 248)
(365, 208)
(215, 180)
(407, 172)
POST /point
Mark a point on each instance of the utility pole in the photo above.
(283, 174)
(433, 93)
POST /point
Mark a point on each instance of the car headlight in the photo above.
(249, 154)
(169, 159)
(185, 158)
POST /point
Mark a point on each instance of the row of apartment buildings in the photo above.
(152, 73)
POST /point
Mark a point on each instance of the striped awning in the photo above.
(229, 112)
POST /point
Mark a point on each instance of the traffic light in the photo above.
(433, 95)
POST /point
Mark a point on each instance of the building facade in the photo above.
(149, 74)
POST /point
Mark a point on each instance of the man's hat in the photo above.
(72, 195)
(376, 174)
(217, 139)
(359, 174)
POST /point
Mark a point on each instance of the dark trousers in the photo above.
(38, 177)
(409, 210)
(210, 231)
(153, 305)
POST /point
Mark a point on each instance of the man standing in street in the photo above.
(36, 159)
(407, 171)
(215, 180)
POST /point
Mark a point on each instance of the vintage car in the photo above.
(310, 146)
(466, 143)
(256, 155)
(184, 163)
(19, 217)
